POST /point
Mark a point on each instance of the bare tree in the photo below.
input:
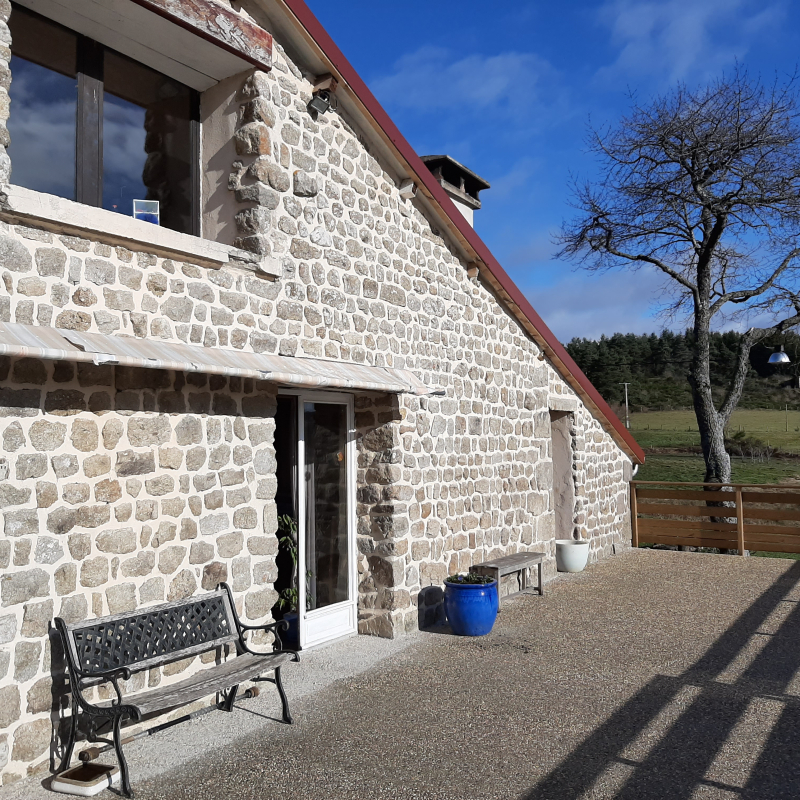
(704, 185)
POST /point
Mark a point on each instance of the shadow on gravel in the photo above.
(627, 759)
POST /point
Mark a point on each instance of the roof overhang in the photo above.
(197, 42)
(300, 31)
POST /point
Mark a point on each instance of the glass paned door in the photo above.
(327, 592)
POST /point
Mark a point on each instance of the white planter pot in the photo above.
(571, 554)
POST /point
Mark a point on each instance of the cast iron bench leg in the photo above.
(231, 698)
(123, 764)
(73, 728)
(287, 717)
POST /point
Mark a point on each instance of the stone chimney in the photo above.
(461, 184)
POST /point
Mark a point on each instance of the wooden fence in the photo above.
(733, 516)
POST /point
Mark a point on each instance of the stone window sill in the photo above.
(20, 205)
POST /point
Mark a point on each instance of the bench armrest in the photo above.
(242, 629)
(269, 626)
(96, 678)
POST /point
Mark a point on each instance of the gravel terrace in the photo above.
(651, 675)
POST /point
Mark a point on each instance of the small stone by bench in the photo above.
(516, 562)
(109, 649)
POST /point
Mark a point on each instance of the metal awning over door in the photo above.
(98, 348)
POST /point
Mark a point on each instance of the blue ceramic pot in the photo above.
(471, 607)
(291, 637)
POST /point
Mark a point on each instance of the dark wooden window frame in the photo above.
(89, 128)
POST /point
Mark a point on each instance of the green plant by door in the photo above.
(289, 599)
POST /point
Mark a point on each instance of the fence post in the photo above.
(634, 518)
(740, 519)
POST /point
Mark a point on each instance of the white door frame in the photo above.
(340, 619)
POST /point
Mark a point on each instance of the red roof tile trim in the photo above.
(556, 350)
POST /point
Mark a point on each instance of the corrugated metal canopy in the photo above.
(56, 344)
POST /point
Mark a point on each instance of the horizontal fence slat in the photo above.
(771, 497)
(658, 494)
(774, 547)
(662, 525)
(769, 542)
(771, 513)
(691, 534)
(781, 530)
(692, 541)
(686, 511)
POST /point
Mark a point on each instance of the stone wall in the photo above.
(128, 487)
(124, 487)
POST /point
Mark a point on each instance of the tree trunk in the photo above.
(709, 421)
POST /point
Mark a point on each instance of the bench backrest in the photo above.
(152, 636)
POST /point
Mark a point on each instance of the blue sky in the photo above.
(508, 89)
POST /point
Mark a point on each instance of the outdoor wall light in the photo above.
(322, 95)
(779, 356)
(322, 101)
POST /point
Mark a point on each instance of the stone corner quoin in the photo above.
(127, 486)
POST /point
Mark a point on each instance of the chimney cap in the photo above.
(456, 179)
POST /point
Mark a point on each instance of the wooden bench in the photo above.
(516, 562)
(107, 649)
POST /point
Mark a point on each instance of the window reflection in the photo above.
(146, 141)
(327, 557)
(44, 99)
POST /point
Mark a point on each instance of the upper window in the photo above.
(92, 125)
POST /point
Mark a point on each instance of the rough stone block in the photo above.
(121, 598)
(107, 491)
(183, 585)
(149, 431)
(139, 566)
(14, 256)
(258, 603)
(31, 740)
(170, 558)
(229, 544)
(21, 523)
(213, 574)
(9, 706)
(251, 139)
(74, 609)
(40, 696)
(36, 619)
(152, 591)
(130, 462)
(20, 587)
(26, 660)
(119, 541)
(46, 435)
(76, 493)
(94, 572)
(65, 579)
(8, 627)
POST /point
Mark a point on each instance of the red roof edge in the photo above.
(329, 48)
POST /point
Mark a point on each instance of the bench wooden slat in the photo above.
(208, 681)
(513, 562)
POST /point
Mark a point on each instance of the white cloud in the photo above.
(589, 305)
(681, 39)
(432, 78)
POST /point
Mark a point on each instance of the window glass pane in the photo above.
(43, 105)
(147, 145)
(327, 558)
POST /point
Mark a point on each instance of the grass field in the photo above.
(674, 430)
(679, 428)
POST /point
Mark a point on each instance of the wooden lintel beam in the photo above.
(219, 25)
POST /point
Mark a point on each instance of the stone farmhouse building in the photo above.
(313, 329)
